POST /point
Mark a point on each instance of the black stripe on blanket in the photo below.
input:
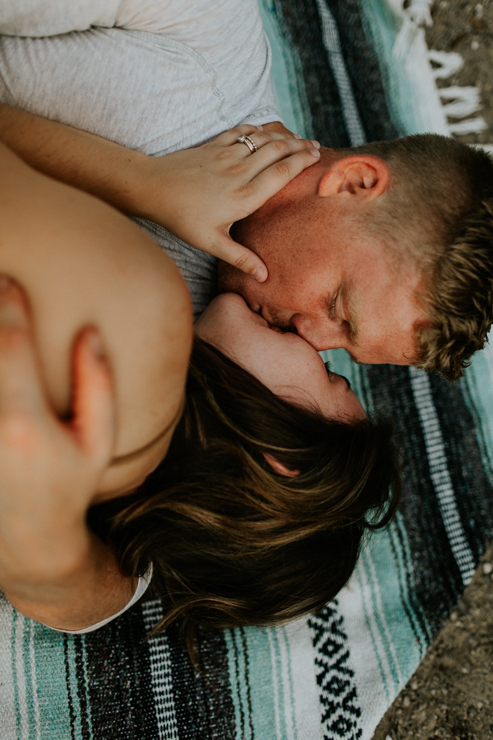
(300, 22)
(119, 681)
(364, 70)
(472, 484)
(202, 697)
(214, 687)
(81, 684)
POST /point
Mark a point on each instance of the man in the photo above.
(384, 250)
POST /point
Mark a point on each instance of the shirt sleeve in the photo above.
(142, 587)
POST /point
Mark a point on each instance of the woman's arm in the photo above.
(197, 194)
(52, 568)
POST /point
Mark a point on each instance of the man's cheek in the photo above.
(230, 279)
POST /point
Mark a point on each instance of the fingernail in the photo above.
(260, 128)
(315, 153)
(5, 283)
(96, 344)
(258, 274)
(297, 136)
(316, 144)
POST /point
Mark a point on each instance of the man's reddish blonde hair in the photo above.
(438, 212)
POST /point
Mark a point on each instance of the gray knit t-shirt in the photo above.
(207, 70)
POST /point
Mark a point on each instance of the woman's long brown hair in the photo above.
(231, 541)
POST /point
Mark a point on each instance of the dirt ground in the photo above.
(451, 694)
(467, 28)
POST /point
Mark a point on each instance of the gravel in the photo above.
(450, 696)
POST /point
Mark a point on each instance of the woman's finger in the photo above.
(275, 151)
(279, 145)
(273, 178)
(256, 133)
(230, 137)
(93, 405)
(21, 389)
(262, 138)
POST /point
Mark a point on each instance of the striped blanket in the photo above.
(345, 71)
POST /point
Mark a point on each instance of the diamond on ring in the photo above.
(244, 139)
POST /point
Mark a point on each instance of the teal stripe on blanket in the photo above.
(416, 616)
(387, 561)
(16, 676)
(287, 74)
(261, 683)
(32, 696)
(379, 610)
(26, 719)
(478, 392)
(40, 690)
(55, 698)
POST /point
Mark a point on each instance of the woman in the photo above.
(272, 479)
(83, 264)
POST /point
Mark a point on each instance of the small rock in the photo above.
(406, 701)
(454, 616)
(464, 669)
(479, 11)
(487, 568)
(474, 45)
(414, 685)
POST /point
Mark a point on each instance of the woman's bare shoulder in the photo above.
(83, 263)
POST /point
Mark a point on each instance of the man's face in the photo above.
(334, 288)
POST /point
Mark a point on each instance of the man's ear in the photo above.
(279, 467)
(361, 175)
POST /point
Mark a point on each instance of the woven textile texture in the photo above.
(345, 71)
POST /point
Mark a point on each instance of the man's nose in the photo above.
(321, 334)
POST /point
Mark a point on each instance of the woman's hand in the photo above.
(197, 194)
(50, 468)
